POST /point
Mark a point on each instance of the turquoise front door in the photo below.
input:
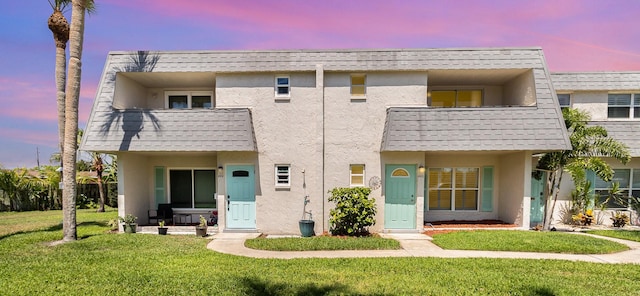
(537, 198)
(400, 197)
(241, 197)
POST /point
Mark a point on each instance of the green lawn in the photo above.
(141, 264)
(322, 243)
(632, 235)
(526, 241)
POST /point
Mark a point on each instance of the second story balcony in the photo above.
(481, 88)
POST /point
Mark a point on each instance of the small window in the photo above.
(178, 102)
(189, 99)
(240, 174)
(564, 100)
(358, 86)
(456, 98)
(400, 172)
(283, 86)
(283, 175)
(356, 175)
(201, 102)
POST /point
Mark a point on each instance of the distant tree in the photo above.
(22, 190)
(589, 144)
(51, 178)
(97, 162)
(83, 165)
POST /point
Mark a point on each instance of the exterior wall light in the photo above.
(421, 169)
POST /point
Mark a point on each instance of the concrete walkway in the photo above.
(414, 245)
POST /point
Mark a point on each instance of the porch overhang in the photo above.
(627, 132)
(140, 130)
(473, 129)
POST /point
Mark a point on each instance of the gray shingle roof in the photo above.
(606, 81)
(171, 130)
(176, 132)
(627, 132)
(335, 60)
(473, 129)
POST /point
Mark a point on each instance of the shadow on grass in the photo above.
(256, 287)
(543, 292)
(57, 227)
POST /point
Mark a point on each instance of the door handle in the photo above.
(228, 200)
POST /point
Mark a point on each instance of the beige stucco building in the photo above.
(438, 134)
(612, 99)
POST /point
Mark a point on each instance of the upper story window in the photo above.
(356, 175)
(564, 100)
(456, 98)
(283, 175)
(283, 86)
(358, 86)
(624, 106)
(189, 100)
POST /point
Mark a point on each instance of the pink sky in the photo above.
(575, 36)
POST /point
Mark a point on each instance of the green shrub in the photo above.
(354, 211)
(84, 202)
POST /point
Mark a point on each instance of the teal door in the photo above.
(241, 197)
(537, 199)
(400, 197)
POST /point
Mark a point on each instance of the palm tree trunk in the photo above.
(548, 193)
(61, 75)
(100, 192)
(72, 98)
(60, 28)
(550, 206)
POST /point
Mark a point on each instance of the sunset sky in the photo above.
(576, 35)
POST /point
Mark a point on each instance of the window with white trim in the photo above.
(623, 106)
(564, 100)
(453, 189)
(283, 175)
(629, 185)
(356, 175)
(283, 86)
(188, 99)
(358, 86)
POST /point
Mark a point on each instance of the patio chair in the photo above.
(164, 212)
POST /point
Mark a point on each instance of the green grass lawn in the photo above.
(526, 241)
(322, 243)
(632, 235)
(142, 264)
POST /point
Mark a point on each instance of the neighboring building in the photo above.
(439, 134)
(613, 101)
